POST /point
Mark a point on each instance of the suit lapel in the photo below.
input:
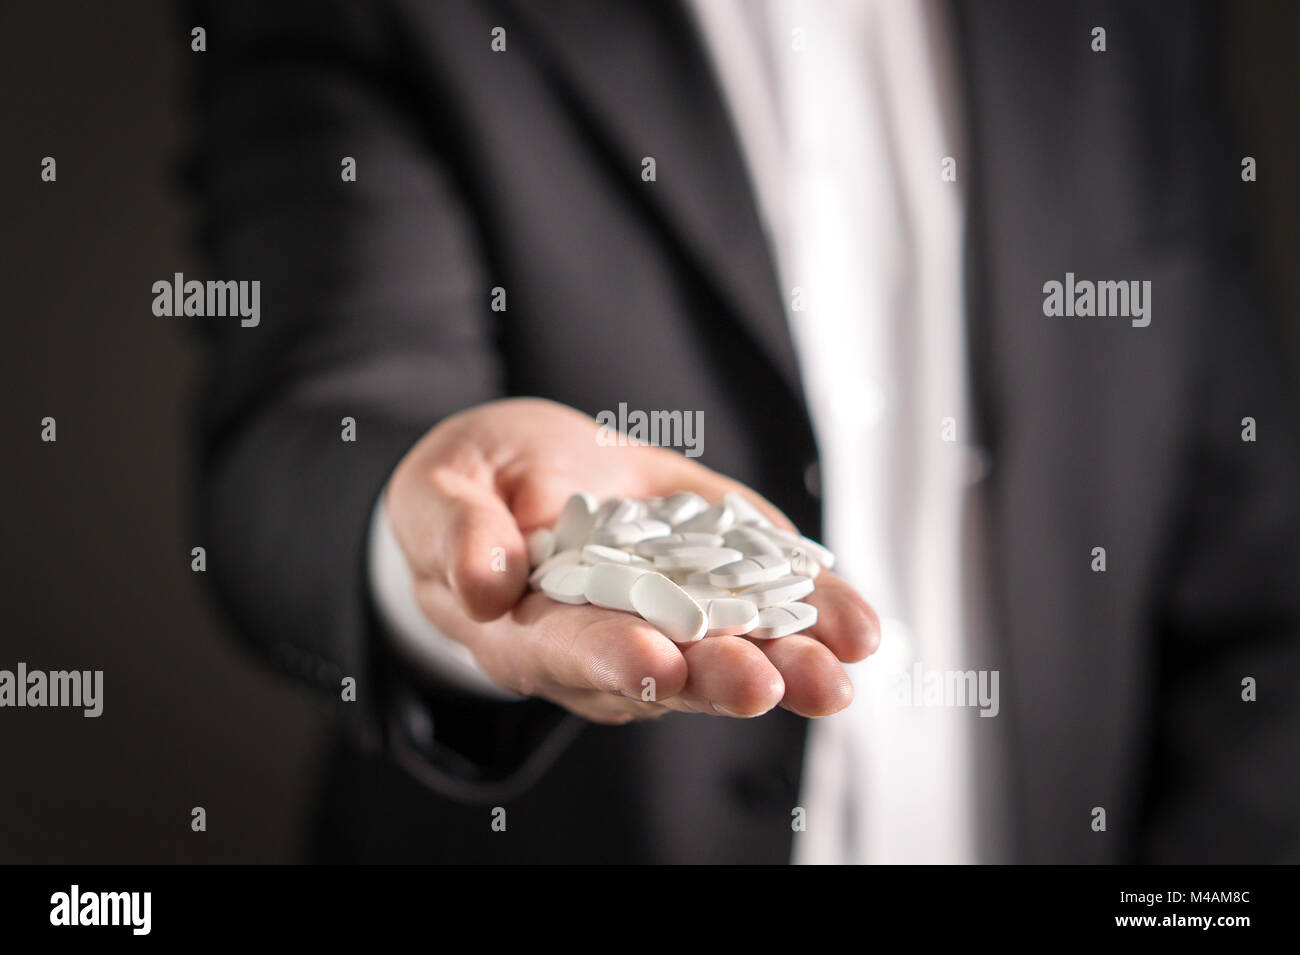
(1066, 633)
(637, 73)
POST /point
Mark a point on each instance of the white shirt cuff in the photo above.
(405, 623)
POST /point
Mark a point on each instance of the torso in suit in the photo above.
(522, 170)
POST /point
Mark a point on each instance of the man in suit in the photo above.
(1117, 553)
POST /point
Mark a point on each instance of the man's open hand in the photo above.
(484, 478)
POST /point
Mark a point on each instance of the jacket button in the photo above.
(419, 726)
(812, 479)
(757, 789)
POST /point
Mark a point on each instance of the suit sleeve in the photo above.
(375, 316)
(1225, 764)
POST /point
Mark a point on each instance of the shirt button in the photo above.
(757, 789)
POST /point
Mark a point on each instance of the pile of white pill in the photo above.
(691, 568)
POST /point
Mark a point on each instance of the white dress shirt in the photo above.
(844, 111)
(864, 225)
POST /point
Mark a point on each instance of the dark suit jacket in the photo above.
(521, 169)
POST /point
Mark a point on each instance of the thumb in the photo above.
(455, 529)
(484, 558)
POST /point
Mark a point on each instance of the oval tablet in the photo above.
(702, 592)
(619, 510)
(610, 585)
(745, 510)
(783, 620)
(730, 616)
(669, 608)
(780, 591)
(629, 532)
(749, 571)
(688, 557)
(555, 560)
(680, 507)
(567, 584)
(712, 520)
(604, 509)
(751, 542)
(600, 554)
(575, 523)
(804, 563)
(541, 545)
(661, 545)
(809, 550)
(791, 543)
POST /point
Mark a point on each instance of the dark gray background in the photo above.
(96, 533)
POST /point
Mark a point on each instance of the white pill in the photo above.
(680, 507)
(804, 564)
(555, 560)
(751, 542)
(669, 608)
(703, 592)
(605, 509)
(698, 578)
(618, 510)
(794, 544)
(567, 584)
(783, 620)
(781, 591)
(730, 616)
(749, 571)
(541, 545)
(689, 557)
(610, 585)
(811, 549)
(712, 520)
(600, 554)
(629, 532)
(661, 545)
(575, 523)
(746, 512)
(676, 576)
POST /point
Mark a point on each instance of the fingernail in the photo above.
(726, 712)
